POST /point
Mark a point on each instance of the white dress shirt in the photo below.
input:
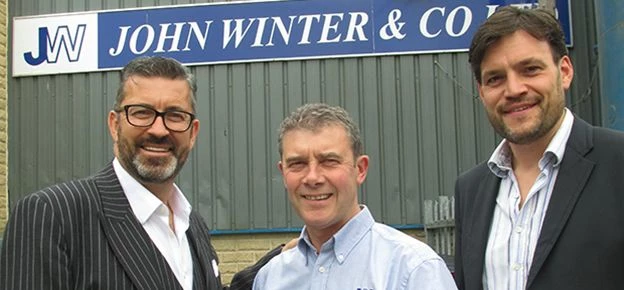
(154, 216)
(515, 230)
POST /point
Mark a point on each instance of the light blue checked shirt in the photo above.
(515, 231)
(363, 255)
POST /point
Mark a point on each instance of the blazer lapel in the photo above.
(199, 240)
(130, 243)
(478, 233)
(573, 174)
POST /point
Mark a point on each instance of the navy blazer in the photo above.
(581, 244)
(82, 234)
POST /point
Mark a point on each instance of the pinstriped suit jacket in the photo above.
(82, 234)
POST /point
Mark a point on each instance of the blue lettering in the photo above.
(43, 40)
(50, 48)
(63, 38)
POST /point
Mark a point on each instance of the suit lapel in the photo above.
(573, 174)
(199, 240)
(132, 246)
(478, 233)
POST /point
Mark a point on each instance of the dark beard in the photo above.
(551, 116)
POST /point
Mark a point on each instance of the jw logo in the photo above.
(365, 289)
(52, 46)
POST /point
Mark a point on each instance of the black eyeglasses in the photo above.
(143, 116)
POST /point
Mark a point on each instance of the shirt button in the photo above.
(322, 269)
(519, 229)
(516, 267)
(340, 258)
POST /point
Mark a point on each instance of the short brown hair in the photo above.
(540, 23)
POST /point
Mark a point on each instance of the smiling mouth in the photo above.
(519, 109)
(317, 197)
(156, 149)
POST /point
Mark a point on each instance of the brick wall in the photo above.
(4, 196)
(239, 251)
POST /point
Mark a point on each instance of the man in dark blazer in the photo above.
(128, 226)
(546, 211)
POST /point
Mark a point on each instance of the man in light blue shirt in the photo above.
(341, 246)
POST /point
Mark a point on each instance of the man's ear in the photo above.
(566, 70)
(361, 163)
(280, 166)
(113, 124)
(194, 131)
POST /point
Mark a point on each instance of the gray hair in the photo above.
(316, 116)
(156, 66)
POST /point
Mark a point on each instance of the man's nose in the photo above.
(314, 176)
(515, 86)
(158, 128)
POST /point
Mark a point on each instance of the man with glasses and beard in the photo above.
(128, 226)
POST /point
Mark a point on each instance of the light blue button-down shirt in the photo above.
(363, 255)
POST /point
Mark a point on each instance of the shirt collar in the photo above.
(500, 160)
(144, 203)
(558, 143)
(343, 242)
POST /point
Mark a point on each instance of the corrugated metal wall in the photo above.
(421, 120)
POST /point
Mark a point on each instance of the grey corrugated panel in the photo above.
(370, 126)
(311, 81)
(79, 105)
(46, 135)
(222, 140)
(242, 145)
(260, 150)
(60, 107)
(203, 171)
(446, 114)
(390, 195)
(421, 122)
(584, 59)
(22, 114)
(408, 136)
(468, 104)
(295, 85)
(428, 128)
(99, 104)
(331, 80)
(277, 205)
